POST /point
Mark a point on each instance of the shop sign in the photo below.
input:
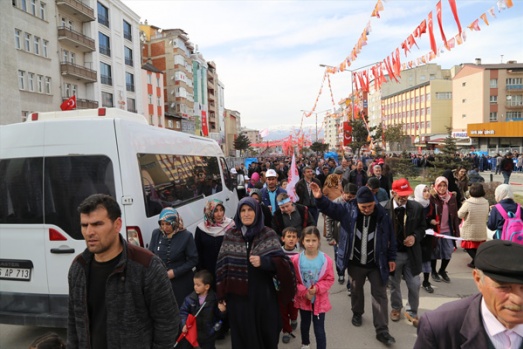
(459, 134)
(482, 132)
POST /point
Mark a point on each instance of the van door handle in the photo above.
(62, 250)
(227, 199)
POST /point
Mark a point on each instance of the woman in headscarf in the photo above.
(474, 213)
(505, 198)
(422, 195)
(249, 258)
(175, 246)
(209, 235)
(443, 214)
(255, 178)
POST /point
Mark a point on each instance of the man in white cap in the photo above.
(492, 318)
(271, 190)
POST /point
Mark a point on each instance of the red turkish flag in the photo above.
(69, 104)
(205, 129)
(431, 34)
(192, 333)
(347, 134)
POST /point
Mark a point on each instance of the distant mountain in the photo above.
(284, 131)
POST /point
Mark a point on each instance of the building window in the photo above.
(514, 115)
(514, 83)
(45, 44)
(150, 99)
(131, 105)
(42, 11)
(18, 43)
(158, 81)
(105, 74)
(65, 54)
(107, 99)
(493, 116)
(104, 44)
(74, 88)
(443, 95)
(24, 5)
(428, 124)
(127, 31)
(464, 100)
(30, 81)
(149, 79)
(21, 80)
(493, 99)
(67, 90)
(40, 83)
(103, 15)
(33, 7)
(48, 85)
(159, 101)
(128, 56)
(463, 116)
(27, 41)
(129, 82)
(493, 83)
(428, 111)
(36, 45)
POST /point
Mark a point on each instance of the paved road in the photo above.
(340, 332)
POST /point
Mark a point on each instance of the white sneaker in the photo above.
(303, 346)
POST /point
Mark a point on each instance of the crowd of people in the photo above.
(260, 273)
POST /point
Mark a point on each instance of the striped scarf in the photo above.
(232, 266)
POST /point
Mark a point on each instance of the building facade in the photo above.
(152, 97)
(200, 112)
(232, 121)
(331, 129)
(253, 135)
(488, 106)
(58, 49)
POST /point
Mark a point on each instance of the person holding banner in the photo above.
(443, 214)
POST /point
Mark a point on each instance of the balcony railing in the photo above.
(515, 87)
(106, 50)
(128, 36)
(129, 62)
(77, 71)
(76, 8)
(106, 80)
(84, 103)
(75, 39)
(514, 105)
(129, 87)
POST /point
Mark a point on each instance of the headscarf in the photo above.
(255, 177)
(445, 197)
(503, 192)
(250, 231)
(209, 225)
(418, 195)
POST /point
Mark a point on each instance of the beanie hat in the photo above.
(364, 196)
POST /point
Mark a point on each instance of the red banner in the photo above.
(205, 129)
(347, 134)
(69, 104)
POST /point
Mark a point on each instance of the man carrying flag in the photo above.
(69, 104)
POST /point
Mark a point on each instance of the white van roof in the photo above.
(109, 113)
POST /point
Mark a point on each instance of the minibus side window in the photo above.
(174, 180)
(229, 182)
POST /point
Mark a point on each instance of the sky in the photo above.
(267, 53)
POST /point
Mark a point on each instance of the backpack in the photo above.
(513, 227)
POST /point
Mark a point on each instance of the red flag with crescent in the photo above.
(69, 104)
(347, 133)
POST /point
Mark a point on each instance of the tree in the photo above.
(319, 147)
(377, 139)
(242, 143)
(360, 134)
(447, 158)
(394, 136)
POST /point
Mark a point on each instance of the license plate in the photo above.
(21, 274)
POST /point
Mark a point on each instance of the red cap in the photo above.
(402, 187)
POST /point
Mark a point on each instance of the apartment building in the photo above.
(212, 81)
(421, 102)
(331, 129)
(253, 135)
(200, 88)
(488, 105)
(220, 115)
(57, 49)
(152, 97)
(232, 121)
(170, 51)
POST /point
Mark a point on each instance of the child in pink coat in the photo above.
(315, 276)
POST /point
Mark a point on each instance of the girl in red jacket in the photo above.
(315, 276)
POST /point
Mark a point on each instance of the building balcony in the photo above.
(129, 62)
(74, 39)
(83, 103)
(77, 9)
(514, 105)
(78, 72)
(105, 50)
(513, 88)
(106, 80)
(129, 87)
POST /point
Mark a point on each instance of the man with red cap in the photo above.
(409, 225)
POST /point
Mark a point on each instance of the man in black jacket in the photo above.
(119, 294)
(409, 225)
(304, 192)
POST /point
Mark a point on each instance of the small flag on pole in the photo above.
(294, 177)
(69, 104)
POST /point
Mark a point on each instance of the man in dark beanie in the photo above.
(493, 318)
(367, 248)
